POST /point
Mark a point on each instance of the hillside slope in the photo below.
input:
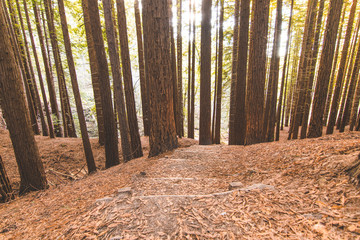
(290, 189)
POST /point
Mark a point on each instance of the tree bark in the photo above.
(179, 68)
(32, 174)
(80, 111)
(341, 72)
(6, 192)
(143, 86)
(157, 56)
(315, 126)
(205, 74)
(129, 89)
(256, 72)
(111, 140)
(118, 88)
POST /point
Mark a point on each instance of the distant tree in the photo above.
(219, 76)
(68, 121)
(128, 83)
(32, 174)
(179, 67)
(157, 56)
(48, 72)
(205, 74)
(191, 92)
(256, 71)
(80, 111)
(234, 69)
(315, 126)
(111, 139)
(341, 73)
(39, 72)
(143, 86)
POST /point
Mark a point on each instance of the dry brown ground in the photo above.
(184, 194)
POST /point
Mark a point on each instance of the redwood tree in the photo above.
(157, 50)
(32, 174)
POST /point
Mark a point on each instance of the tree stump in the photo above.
(6, 192)
(354, 171)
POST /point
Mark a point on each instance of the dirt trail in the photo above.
(291, 190)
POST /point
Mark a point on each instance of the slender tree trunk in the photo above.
(333, 71)
(179, 68)
(6, 192)
(41, 81)
(234, 69)
(143, 87)
(111, 139)
(129, 89)
(174, 71)
(303, 73)
(216, 70)
(270, 106)
(33, 85)
(94, 69)
(220, 76)
(351, 91)
(84, 134)
(284, 76)
(190, 132)
(205, 74)
(32, 174)
(24, 68)
(157, 48)
(321, 89)
(312, 68)
(192, 91)
(116, 73)
(256, 72)
(68, 121)
(341, 72)
(49, 77)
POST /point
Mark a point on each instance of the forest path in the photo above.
(294, 189)
(184, 194)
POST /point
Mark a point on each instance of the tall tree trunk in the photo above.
(216, 65)
(341, 72)
(190, 134)
(33, 85)
(94, 69)
(234, 69)
(32, 174)
(174, 74)
(312, 67)
(303, 73)
(157, 50)
(333, 70)
(315, 126)
(241, 76)
(80, 111)
(129, 89)
(256, 72)
(220, 76)
(111, 139)
(192, 87)
(143, 87)
(205, 74)
(351, 91)
(6, 192)
(270, 105)
(116, 73)
(179, 68)
(41, 81)
(48, 72)
(24, 68)
(68, 121)
(284, 77)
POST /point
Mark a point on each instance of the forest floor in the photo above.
(286, 190)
